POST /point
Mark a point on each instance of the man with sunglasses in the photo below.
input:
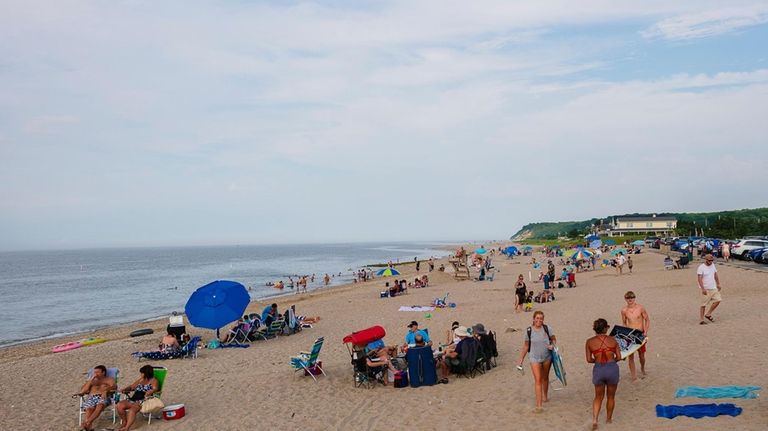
(709, 283)
(634, 316)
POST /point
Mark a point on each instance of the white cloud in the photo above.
(708, 23)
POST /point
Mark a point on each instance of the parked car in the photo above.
(756, 254)
(744, 246)
(650, 240)
(764, 258)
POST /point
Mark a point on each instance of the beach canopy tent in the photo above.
(591, 237)
(638, 242)
(510, 250)
(216, 304)
(365, 336)
(480, 250)
(386, 272)
(595, 244)
(581, 254)
(617, 251)
(610, 242)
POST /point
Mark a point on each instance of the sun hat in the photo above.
(478, 329)
(461, 331)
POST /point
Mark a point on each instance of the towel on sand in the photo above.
(416, 308)
(697, 411)
(718, 392)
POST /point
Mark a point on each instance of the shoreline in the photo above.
(43, 345)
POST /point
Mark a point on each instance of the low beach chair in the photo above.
(292, 324)
(271, 331)
(307, 361)
(160, 374)
(190, 349)
(114, 397)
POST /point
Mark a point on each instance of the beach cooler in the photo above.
(385, 294)
(421, 367)
(174, 412)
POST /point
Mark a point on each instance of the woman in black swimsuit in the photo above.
(603, 351)
(520, 292)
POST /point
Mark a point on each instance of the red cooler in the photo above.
(176, 411)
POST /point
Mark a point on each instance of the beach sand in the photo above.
(241, 389)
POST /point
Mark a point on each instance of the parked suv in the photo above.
(744, 246)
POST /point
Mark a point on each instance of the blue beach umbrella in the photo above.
(610, 242)
(510, 250)
(638, 242)
(216, 304)
(595, 244)
(386, 272)
(480, 250)
(617, 251)
(591, 237)
(527, 247)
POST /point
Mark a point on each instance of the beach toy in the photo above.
(602, 265)
(66, 346)
(428, 315)
(140, 332)
(92, 340)
(452, 305)
(174, 412)
(214, 344)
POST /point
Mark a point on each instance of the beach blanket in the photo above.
(157, 356)
(415, 308)
(697, 411)
(718, 392)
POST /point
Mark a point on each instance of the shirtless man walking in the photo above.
(634, 316)
(96, 392)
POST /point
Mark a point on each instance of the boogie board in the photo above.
(630, 340)
(557, 364)
(92, 340)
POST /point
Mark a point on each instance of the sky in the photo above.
(148, 123)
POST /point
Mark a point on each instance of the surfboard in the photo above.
(557, 364)
(630, 340)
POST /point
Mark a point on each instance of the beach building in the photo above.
(653, 224)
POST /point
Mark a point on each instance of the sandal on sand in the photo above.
(710, 318)
(703, 322)
(443, 381)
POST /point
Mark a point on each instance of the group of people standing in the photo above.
(602, 350)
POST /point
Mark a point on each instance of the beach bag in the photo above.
(152, 405)
(401, 379)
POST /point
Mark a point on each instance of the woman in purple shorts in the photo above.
(603, 351)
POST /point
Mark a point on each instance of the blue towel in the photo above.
(718, 392)
(697, 411)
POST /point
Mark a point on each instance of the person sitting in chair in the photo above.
(169, 343)
(451, 357)
(413, 330)
(96, 392)
(269, 314)
(144, 387)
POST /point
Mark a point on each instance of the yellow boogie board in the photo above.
(92, 340)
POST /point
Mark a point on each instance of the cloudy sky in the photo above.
(193, 122)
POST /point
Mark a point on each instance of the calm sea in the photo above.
(52, 293)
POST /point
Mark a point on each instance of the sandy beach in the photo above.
(240, 389)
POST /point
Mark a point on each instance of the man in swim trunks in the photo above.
(634, 316)
(96, 393)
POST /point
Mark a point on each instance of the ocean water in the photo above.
(52, 293)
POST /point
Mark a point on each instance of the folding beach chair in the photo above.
(307, 361)
(240, 334)
(272, 330)
(190, 349)
(160, 374)
(292, 324)
(114, 397)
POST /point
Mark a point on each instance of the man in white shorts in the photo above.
(709, 283)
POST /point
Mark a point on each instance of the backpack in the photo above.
(546, 330)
